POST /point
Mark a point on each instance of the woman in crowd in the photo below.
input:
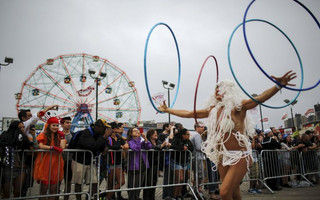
(116, 143)
(154, 158)
(13, 167)
(48, 169)
(180, 158)
(138, 161)
(286, 144)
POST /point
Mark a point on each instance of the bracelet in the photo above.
(277, 86)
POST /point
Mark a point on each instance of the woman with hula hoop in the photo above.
(229, 128)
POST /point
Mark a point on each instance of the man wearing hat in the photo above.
(94, 139)
(271, 161)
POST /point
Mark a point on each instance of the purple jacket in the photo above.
(134, 156)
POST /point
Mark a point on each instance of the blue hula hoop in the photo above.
(234, 76)
(145, 65)
(254, 59)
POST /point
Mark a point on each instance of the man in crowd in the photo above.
(67, 157)
(29, 121)
(93, 139)
(269, 143)
(198, 156)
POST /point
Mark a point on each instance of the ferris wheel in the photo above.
(67, 81)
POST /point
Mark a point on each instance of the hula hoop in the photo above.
(145, 65)
(196, 91)
(254, 59)
(234, 76)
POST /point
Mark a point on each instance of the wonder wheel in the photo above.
(85, 87)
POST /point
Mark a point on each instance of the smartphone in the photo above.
(141, 130)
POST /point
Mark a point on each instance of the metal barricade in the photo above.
(40, 174)
(281, 163)
(311, 163)
(128, 171)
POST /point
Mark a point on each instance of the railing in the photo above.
(118, 170)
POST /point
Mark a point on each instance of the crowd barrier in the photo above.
(117, 171)
(173, 164)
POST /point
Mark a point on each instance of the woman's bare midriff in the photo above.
(232, 144)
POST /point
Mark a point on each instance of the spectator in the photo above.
(93, 139)
(124, 161)
(286, 144)
(269, 143)
(67, 157)
(167, 192)
(115, 142)
(308, 156)
(138, 161)
(213, 175)
(308, 145)
(316, 141)
(198, 156)
(13, 173)
(154, 158)
(48, 168)
(180, 159)
(254, 173)
(29, 121)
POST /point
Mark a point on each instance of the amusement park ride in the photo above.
(68, 81)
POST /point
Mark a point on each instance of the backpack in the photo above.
(75, 137)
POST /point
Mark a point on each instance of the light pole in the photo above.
(294, 102)
(168, 86)
(254, 95)
(8, 61)
(98, 78)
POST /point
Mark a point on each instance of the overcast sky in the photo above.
(33, 31)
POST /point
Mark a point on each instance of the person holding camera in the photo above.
(29, 119)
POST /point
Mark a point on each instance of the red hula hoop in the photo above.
(196, 91)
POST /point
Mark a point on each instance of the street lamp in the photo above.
(98, 78)
(8, 61)
(292, 104)
(168, 86)
(254, 95)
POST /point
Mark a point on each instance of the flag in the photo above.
(284, 116)
(264, 119)
(309, 112)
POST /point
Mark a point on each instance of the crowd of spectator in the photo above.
(141, 157)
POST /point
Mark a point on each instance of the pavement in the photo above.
(301, 193)
(305, 193)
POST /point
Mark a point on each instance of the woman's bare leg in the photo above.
(231, 177)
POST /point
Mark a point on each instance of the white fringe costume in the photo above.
(214, 147)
